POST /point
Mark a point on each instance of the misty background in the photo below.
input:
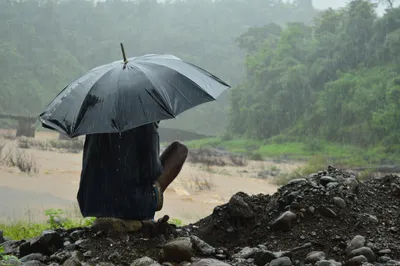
(297, 68)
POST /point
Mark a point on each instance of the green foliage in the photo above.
(176, 222)
(7, 259)
(335, 80)
(44, 45)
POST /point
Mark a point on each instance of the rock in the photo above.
(327, 263)
(11, 246)
(339, 202)
(105, 264)
(1, 237)
(357, 260)
(351, 183)
(392, 263)
(145, 261)
(178, 250)
(314, 256)
(282, 261)
(33, 263)
(47, 243)
(357, 242)
(209, 262)
(246, 253)
(263, 257)
(383, 259)
(326, 179)
(238, 206)
(202, 247)
(364, 251)
(327, 212)
(76, 235)
(10, 262)
(72, 262)
(284, 221)
(384, 251)
(33, 256)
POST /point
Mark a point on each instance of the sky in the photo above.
(324, 4)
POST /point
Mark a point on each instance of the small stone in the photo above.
(383, 259)
(263, 257)
(297, 181)
(201, 246)
(88, 254)
(238, 207)
(339, 202)
(314, 256)
(357, 242)
(209, 262)
(75, 235)
(145, 261)
(178, 250)
(311, 209)
(284, 222)
(32, 263)
(327, 263)
(364, 251)
(33, 256)
(356, 261)
(246, 253)
(47, 243)
(326, 179)
(327, 212)
(384, 251)
(282, 261)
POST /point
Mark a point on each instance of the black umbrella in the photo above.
(129, 93)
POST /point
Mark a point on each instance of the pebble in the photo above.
(339, 202)
(357, 242)
(364, 251)
(357, 260)
(283, 261)
(284, 221)
(145, 261)
(314, 256)
(209, 262)
(178, 250)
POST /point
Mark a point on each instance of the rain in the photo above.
(199, 132)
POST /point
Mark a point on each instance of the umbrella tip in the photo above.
(123, 53)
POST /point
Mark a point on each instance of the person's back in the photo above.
(118, 173)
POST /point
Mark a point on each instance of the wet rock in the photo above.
(339, 202)
(246, 253)
(238, 206)
(327, 212)
(357, 260)
(178, 250)
(202, 247)
(327, 263)
(384, 251)
(284, 222)
(282, 261)
(326, 179)
(364, 251)
(314, 256)
(11, 246)
(75, 259)
(145, 261)
(209, 262)
(33, 256)
(357, 242)
(263, 257)
(47, 243)
(383, 259)
(76, 235)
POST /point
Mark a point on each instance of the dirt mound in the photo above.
(328, 218)
(326, 210)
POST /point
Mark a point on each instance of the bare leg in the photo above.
(172, 160)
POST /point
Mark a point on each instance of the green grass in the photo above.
(296, 150)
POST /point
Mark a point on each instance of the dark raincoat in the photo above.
(118, 173)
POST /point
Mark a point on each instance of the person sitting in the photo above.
(123, 175)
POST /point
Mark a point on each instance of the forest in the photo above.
(295, 71)
(45, 44)
(336, 79)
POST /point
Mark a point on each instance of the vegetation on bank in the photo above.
(335, 80)
(291, 149)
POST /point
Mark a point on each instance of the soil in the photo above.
(327, 212)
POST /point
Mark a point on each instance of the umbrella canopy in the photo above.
(129, 93)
